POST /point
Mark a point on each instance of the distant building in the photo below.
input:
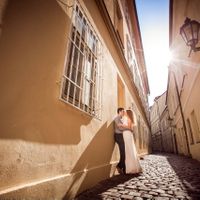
(65, 68)
(156, 131)
(168, 140)
(161, 129)
(183, 83)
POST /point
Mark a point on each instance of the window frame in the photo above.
(83, 77)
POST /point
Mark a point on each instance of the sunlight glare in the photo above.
(158, 54)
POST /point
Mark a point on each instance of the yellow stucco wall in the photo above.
(186, 69)
(48, 149)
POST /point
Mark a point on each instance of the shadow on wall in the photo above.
(32, 52)
(95, 160)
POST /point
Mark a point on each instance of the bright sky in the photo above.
(154, 26)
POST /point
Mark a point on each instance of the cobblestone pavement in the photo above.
(164, 177)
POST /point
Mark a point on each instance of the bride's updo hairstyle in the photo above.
(130, 115)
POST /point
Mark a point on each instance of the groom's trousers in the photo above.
(120, 141)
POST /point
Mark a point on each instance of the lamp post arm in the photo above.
(190, 52)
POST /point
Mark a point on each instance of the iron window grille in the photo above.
(82, 77)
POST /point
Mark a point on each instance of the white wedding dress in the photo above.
(131, 158)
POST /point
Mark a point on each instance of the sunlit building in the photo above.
(168, 139)
(184, 78)
(161, 128)
(65, 68)
(155, 118)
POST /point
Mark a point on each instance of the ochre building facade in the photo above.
(65, 68)
(183, 83)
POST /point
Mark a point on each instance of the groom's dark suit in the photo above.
(118, 136)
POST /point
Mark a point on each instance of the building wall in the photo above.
(167, 134)
(175, 116)
(187, 74)
(161, 103)
(161, 127)
(49, 149)
(155, 118)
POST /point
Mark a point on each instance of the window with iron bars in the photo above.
(82, 78)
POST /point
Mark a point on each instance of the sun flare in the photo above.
(157, 52)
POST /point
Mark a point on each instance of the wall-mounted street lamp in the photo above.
(190, 34)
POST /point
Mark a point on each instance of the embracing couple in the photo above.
(124, 123)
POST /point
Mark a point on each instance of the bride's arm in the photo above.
(126, 126)
(122, 126)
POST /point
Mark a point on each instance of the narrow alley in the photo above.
(165, 176)
(90, 86)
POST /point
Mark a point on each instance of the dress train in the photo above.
(131, 158)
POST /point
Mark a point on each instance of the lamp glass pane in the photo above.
(188, 33)
(195, 30)
(184, 36)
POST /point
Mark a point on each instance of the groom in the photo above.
(118, 136)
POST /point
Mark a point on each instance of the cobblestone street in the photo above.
(165, 176)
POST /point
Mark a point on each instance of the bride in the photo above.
(131, 158)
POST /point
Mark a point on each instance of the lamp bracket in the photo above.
(193, 48)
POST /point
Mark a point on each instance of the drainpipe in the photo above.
(183, 119)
